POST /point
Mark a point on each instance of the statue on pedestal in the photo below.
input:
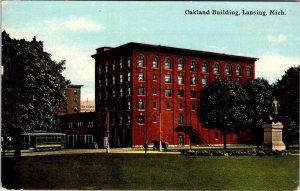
(274, 115)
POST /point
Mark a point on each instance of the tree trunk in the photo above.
(17, 145)
(225, 139)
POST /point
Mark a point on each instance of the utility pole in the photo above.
(107, 128)
(160, 124)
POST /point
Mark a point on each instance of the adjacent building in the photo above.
(87, 106)
(150, 92)
(72, 105)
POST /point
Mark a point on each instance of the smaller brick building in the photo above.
(73, 93)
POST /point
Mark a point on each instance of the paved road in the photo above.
(85, 151)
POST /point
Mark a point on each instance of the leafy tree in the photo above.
(286, 91)
(223, 105)
(260, 101)
(33, 88)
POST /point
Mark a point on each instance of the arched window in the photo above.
(155, 62)
(248, 71)
(141, 61)
(216, 68)
(180, 118)
(227, 69)
(180, 64)
(167, 63)
(238, 70)
(205, 67)
(193, 66)
(204, 82)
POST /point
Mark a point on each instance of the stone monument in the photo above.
(273, 131)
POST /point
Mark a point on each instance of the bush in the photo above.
(233, 153)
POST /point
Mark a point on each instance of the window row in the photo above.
(168, 92)
(141, 119)
(121, 78)
(119, 93)
(80, 124)
(193, 66)
(141, 105)
(121, 64)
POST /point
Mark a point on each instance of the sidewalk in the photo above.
(89, 151)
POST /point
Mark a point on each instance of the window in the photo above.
(154, 91)
(180, 140)
(121, 92)
(227, 69)
(180, 118)
(205, 67)
(248, 71)
(141, 76)
(193, 107)
(113, 93)
(154, 119)
(128, 77)
(167, 63)
(193, 66)
(180, 93)
(154, 105)
(75, 92)
(193, 80)
(114, 65)
(121, 78)
(140, 119)
(141, 91)
(121, 63)
(120, 119)
(128, 105)
(238, 70)
(106, 81)
(90, 124)
(216, 68)
(128, 118)
(106, 67)
(180, 105)
(154, 77)
(168, 92)
(168, 78)
(70, 125)
(128, 91)
(180, 79)
(113, 79)
(193, 94)
(155, 62)
(180, 64)
(128, 62)
(141, 61)
(99, 69)
(80, 124)
(141, 105)
(168, 105)
(204, 81)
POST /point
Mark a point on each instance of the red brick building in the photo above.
(151, 90)
(73, 94)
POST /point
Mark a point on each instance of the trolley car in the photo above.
(40, 141)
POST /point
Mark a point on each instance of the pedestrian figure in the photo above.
(146, 146)
(166, 146)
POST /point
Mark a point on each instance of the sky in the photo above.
(72, 30)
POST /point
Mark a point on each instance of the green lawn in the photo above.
(155, 171)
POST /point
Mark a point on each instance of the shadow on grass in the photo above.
(146, 172)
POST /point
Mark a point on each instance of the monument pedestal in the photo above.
(273, 137)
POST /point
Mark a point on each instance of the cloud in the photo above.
(74, 24)
(217, 48)
(277, 39)
(272, 67)
(3, 3)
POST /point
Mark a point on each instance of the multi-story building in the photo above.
(87, 106)
(73, 94)
(150, 91)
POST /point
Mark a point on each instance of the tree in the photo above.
(260, 101)
(286, 91)
(223, 105)
(33, 88)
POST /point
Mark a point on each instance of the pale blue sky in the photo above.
(72, 30)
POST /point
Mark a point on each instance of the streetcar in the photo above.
(38, 141)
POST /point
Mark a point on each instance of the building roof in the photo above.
(173, 50)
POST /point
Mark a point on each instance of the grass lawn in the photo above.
(155, 171)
